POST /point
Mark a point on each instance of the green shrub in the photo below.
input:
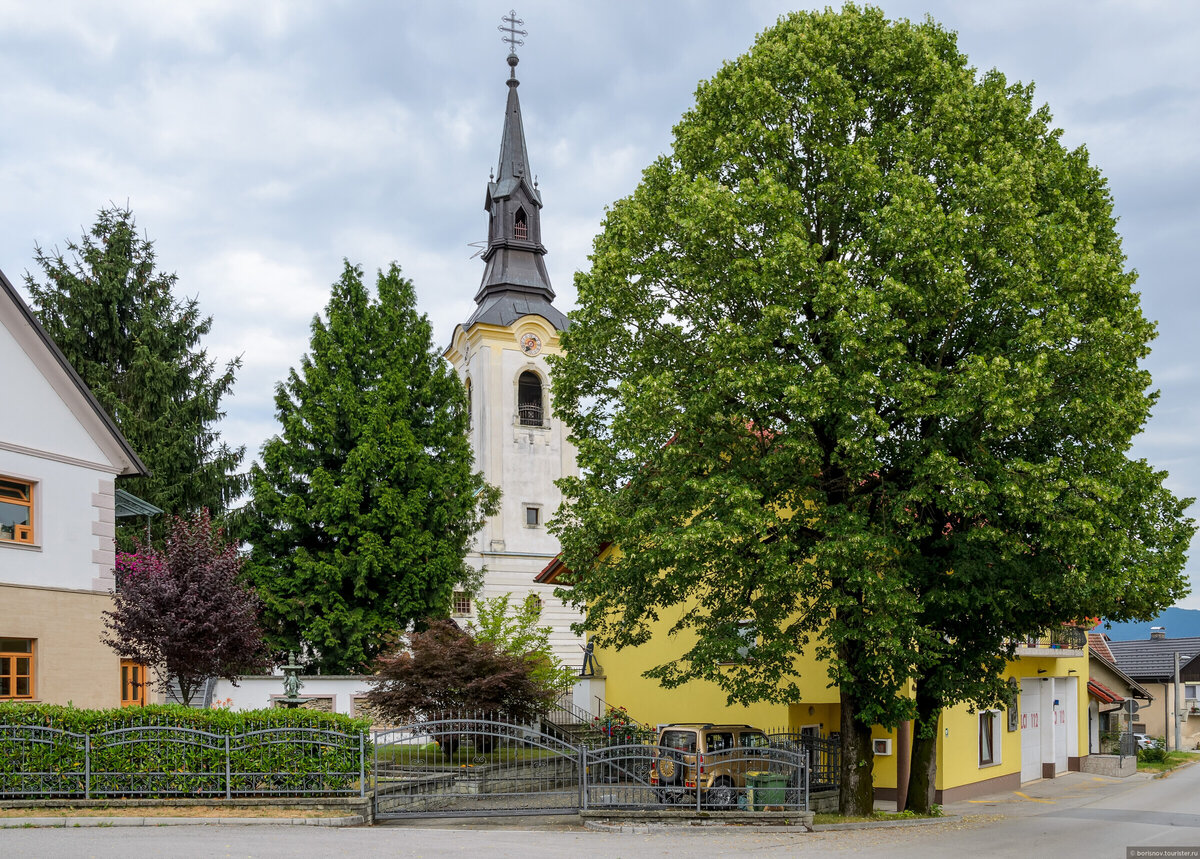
(162, 761)
(1152, 756)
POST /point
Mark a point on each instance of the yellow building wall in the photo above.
(703, 701)
(70, 662)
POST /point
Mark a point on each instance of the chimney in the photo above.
(1157, 632)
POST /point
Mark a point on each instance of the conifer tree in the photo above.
(365, 503)
(137, 347)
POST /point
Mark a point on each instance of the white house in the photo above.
(59, 456)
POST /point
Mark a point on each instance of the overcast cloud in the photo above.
(260, 142)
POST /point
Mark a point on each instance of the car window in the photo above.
(753, 741)
(720, 740)
(684, 741)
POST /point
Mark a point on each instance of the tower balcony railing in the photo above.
(530, 415)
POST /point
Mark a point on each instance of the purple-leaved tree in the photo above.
(184, 610)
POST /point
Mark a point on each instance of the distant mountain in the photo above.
(1179, 623)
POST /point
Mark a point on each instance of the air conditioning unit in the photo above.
(882, 747)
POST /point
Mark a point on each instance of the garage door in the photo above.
(1031, 730)
(1060, 726)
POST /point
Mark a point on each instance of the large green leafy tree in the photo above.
(364, 505)
(137, 346)
(858, 362)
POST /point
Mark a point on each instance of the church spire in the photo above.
(515, 282)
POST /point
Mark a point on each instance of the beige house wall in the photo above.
(70, 662)
(1158, 717)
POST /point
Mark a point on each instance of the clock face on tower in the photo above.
(531, 344)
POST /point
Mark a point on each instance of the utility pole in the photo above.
(1178, 709)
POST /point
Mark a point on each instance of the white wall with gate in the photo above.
(1049, 715)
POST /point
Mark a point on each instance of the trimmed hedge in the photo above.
(217, 721)
(166, 762)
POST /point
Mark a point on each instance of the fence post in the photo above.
(362, 764)
(228, 771)
(87, 765)
(807, 769)
(583, 782)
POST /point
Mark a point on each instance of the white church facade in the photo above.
(500, 354)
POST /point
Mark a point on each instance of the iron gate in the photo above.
(464, 767)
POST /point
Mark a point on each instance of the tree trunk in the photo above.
(922, 779)
(857, 792)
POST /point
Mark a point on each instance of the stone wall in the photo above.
(1110, 765)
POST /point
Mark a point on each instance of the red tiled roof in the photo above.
(1098, 642)
(1103, 693)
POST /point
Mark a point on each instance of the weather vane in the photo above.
(512, 21)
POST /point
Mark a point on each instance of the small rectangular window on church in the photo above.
(533, 516)
(461, 604)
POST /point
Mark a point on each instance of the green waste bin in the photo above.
(765, 788)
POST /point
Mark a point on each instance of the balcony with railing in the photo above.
(1058, 642)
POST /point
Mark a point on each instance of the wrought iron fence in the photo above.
(479, 766)
(822, 753)
(164, 761)
(739, 778)
(455, 766)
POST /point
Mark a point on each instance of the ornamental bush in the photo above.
(162, 762)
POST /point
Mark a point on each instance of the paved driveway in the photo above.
(1078, 815)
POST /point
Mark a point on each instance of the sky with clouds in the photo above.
(260, 142)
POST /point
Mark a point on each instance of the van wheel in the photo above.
(670, 769)
(721, 794)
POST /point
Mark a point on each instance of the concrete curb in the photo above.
(644, 827)
(79, 822)
(1182, 766)
(885, 824)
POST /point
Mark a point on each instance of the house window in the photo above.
(748, 633)
(16, 510)
(529, 399)
(989, 750)
(520, 225)
(133, 683)
(533, 515)
(16, 667)
(461, 604)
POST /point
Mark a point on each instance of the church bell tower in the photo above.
(500, 354)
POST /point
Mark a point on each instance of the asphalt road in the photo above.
(1079, 815)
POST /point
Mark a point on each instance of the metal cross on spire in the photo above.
(512, 32)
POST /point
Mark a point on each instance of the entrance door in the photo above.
(1031, 731)
(133, 683)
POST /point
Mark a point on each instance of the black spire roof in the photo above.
(515, 282)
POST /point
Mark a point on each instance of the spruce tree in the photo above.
(365, 504)
(137, 347)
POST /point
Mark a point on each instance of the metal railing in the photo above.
(822, 753)
(1058, 638)
(163, 760)
(471, 765)
(530, 414)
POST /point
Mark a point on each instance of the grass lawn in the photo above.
(878, 815)
(1172, 760)
(431, 755)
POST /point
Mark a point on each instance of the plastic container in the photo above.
(765, 789)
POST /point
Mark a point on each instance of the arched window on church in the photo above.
(470, 415)
(520, 225)
(529, 399)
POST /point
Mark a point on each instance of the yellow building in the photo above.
(978, 753)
